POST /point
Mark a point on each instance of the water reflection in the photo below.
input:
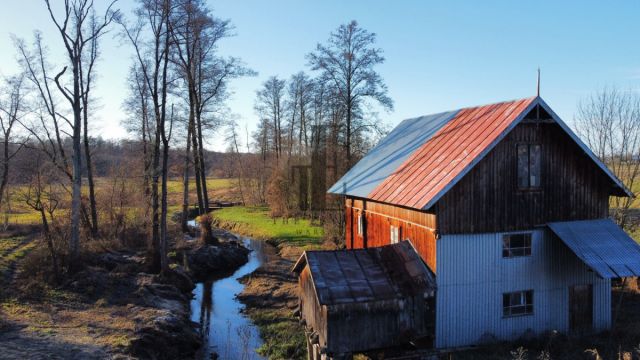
(226, 332)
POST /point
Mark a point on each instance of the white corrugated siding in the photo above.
(472, 276)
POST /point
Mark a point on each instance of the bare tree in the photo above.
(347, 62)
(609, 122)
(234, 148)
(206, 75)
(12, 109)
(78, 28)
(41, 195)
(151, 39)
(270, 105)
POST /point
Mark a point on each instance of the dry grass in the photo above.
(21, 213)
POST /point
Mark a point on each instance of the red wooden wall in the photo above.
(417, 226)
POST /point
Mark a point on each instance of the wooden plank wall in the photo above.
(312, 312)
(417, 226)
(487, 199)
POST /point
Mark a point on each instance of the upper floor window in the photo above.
(517, 303)
(515, 245)
(528, 166)
(395, 234)
(360, 224)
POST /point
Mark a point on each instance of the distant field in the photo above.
(256, 222)
(21, 213)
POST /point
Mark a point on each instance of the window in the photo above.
(528, 166)
(360, 225)
(517, 303)
(395, 234)
(515, 245)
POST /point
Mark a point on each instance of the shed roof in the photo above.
(422, 158)
(363, 275)
(601, 245)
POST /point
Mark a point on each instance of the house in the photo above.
(508, 208)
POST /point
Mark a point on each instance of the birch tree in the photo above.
(79, 27)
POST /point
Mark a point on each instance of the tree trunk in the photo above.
(154, 245)
(196, 165)
(52, 250)
(164, 266)
(92, 192)
(185, 183)
(203, 170)
(76, 196)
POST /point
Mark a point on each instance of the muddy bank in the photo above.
(172, 334)
(270, 298)
(110, 309)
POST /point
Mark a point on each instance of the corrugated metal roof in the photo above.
(422, 158)
(430, 169)
(601, 245)
(389, 154)
(364, 275)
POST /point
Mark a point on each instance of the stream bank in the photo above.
(270, 297)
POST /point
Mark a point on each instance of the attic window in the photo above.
(517, 303)
(528, 166)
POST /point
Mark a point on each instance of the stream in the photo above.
(226, 331)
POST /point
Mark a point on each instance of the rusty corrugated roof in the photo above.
(424, 157)
(452, 149)
(364, 275)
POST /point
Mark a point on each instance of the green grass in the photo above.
(283, 336)
(256, 222)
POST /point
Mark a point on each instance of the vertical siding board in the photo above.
(472, 276)
(487, 198)
(417, 226)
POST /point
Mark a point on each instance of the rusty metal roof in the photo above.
(364, 275)
(423, 158)
(601, 245)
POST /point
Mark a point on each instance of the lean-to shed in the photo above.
(365, 299)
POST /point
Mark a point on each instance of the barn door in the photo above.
(580, 308)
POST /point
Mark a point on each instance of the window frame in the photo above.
(528, 146)
(508, 252)
(360, 223)
(395, 234)
(524, 308)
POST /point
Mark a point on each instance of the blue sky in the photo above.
(439, 55)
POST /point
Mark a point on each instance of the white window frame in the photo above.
(394, 234)
(510, 249)
(360, 224)
(522, 308)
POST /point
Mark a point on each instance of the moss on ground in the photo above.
(282, 335)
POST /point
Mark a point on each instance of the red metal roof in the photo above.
(446, 156)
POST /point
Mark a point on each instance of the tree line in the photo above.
(327, 117)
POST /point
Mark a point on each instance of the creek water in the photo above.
(225, 330)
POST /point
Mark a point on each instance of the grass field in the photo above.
(256, 222)
(21, 213)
